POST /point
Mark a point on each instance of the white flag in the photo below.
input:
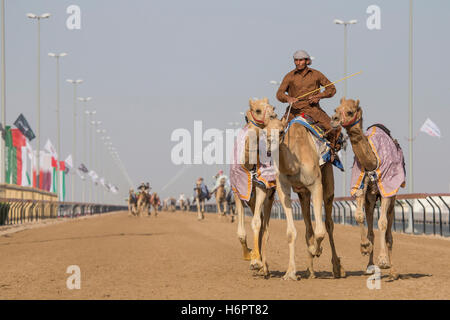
(94, 176)
(69, 161)
(430, 128)
(50, 149)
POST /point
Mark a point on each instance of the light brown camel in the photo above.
(298, 169)
(220, 195)
(260, 199)
(200, 198)
(349, 116)
(155, 202)
(132, 203)
(143, 203)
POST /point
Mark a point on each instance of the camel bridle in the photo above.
(260, 122)
(352, 122)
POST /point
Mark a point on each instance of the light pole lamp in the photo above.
(58, 119)
(344, 152)
(38, 131)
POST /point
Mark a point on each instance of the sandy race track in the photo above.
(174, 256)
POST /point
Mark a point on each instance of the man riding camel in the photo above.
(300, 81)
(217, 178)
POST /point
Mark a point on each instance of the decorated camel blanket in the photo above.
(242, 179)
(390, 171)
(322, 145)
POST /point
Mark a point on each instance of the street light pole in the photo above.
(344, 152)
(98, 164)
(38, 131)
(74, 146)
(90, 114)
(58, 121)
(95, 124)
(3, 98)
(411, 177)
(85, 100)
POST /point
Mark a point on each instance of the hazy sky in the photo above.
(155, 66)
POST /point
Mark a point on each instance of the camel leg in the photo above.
(305, 200)
(225, 208)
(284, 192)
(328, 196)
(369, 205)
(389, 240)
(256, 263)
(219, 208)
(203, 208)
(199, 213)
(242, 236)
(270, 197)
(383, 261)
(366, 247)
(319, 230)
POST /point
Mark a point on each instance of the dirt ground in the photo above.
(174, 256)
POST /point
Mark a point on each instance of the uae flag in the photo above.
(15, 143)
(46, 168)
(54, 171)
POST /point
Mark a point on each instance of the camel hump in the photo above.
(388, 132)
(382, 127)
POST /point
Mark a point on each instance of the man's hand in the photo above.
(291, 100)
(314, 99)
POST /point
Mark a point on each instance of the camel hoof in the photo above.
(369, 270)
(383, 262)
(394, 275)
(291, 276)
(263, 272)
(311, 274)
(256, 265)
(366, 248)
(338, 270)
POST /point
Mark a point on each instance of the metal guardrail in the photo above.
(17, 211)
(419, 213)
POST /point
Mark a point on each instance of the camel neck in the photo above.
(361, 147)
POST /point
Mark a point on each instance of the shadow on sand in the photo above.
(84, 238)
(349, 274)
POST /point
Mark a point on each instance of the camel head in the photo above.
(222, 181)
(198, 185)
(347, 114)
(260, 112)
(274, 133)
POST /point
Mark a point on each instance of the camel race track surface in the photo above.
(174, 256)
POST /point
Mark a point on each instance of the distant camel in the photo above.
(132, 203)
